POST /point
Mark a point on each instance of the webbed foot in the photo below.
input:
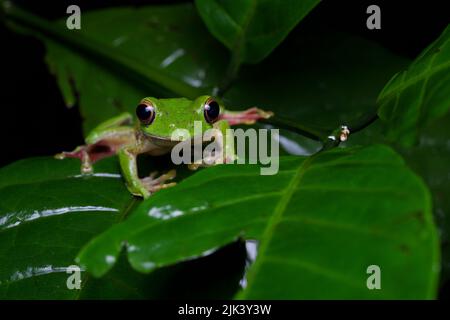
(89, 154)
(153, 184)
(81, 153)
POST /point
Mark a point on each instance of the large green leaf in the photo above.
(48, 212)
(321, 221)
(252, 28)
(429, 158)
(419, 94)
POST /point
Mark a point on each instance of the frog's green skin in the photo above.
(127, 141)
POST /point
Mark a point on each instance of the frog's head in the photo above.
(159, 118)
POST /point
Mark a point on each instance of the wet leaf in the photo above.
(252, 28)
(419, 94)
(429, 158)
(321, 221)
(48, 212)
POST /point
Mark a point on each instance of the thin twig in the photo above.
(342, 133)
(307, 131)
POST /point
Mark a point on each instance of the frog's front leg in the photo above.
(103, 141)
(146, 186)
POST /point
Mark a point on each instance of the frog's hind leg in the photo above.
(249, 116)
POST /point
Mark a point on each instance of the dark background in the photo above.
(36, 122)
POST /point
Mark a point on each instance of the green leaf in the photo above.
(321, 221)
(48, 211)
(419, 94)
(252, 28)
(430, 158)
(131, 53)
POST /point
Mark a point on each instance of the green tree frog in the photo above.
(158, 118)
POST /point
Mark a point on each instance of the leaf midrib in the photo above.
(276, 218)
(147, 227)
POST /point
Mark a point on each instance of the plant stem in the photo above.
(237, 52)
(307, 131)
(363, 122)
(146, 75)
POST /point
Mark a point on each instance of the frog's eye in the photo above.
(146, 113)
(211, 111)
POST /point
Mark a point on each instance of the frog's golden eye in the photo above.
(146, 113)
(211, 111)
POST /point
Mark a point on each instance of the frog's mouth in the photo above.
(164, 141)
(161, 141)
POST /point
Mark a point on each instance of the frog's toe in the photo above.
(86, 168)
(208, 161)
(153, 184)
(60, 156)
(194, 166)
(161, 186)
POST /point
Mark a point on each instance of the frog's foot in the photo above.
(249, 116)
(89, 154)
(81, 153)
(194, 166)
(153, 184)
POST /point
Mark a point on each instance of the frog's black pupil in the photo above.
(145, 113)
(212, 110)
